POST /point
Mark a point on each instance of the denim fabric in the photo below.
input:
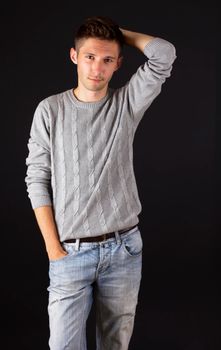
(114, 269)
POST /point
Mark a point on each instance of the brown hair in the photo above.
(99, 27)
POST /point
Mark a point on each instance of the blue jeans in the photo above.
(112, 271)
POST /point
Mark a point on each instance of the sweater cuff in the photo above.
(40, 201)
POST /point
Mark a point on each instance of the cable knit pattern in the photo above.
(76, 178)
(80, 158)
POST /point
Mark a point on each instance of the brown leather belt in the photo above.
(100, 238)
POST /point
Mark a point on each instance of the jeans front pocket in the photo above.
(133, 244)
(67, 249)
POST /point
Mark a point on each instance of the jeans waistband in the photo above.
(100, 238)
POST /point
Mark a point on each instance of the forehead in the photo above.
(99, 47)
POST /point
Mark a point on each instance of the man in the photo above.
(82, 187)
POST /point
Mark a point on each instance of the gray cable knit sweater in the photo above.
(80, 157)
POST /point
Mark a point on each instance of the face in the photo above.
(96, 61)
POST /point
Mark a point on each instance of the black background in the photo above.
(174, 160)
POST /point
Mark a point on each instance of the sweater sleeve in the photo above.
(38, 177)
(146, 83)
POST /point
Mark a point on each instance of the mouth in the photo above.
(96, 79)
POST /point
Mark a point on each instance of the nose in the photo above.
(97, 67)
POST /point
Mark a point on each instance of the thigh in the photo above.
(70, 297)
(122, 276)
(117, 293)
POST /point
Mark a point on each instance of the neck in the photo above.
(89, 96)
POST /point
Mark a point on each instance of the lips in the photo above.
(95, 79)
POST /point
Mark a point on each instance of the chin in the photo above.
(96, 88)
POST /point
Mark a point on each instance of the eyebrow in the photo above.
(113, 58)
(93, 54)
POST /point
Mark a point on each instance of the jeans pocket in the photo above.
(68, 251)
(59, 259)
(133, 244)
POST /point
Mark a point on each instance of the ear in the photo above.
(119, 62)
(73, 55)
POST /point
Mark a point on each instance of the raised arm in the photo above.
(145, 84)
(135, 39)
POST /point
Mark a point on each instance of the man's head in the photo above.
(97, 54)
(99, 27)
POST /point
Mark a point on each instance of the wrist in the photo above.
(136, 39)
(53, 246)
(56, 252)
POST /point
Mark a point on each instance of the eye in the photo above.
(108, 60)
(89, 57)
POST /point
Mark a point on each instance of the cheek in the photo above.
(82, 69)
(110, 72)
